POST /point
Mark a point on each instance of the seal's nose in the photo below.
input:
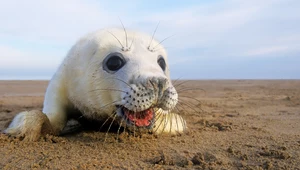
(159, 84)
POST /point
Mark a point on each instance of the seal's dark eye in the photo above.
(161, 62)
(114, 62)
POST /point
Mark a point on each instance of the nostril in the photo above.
(158, 82)
(150, 82)
(163, 81)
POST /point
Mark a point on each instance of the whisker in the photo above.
(190, 89)
(121, 81)
(166, 48)
(120, 125)
(199, 102)
(170, 120)
(107, 90)
(177, 120)
(124, 130)
(109, 117)
(165, 122)
(180, 110)
(108, 104)
(175, 81)
(134, 127)
(162, 41)
(182, 121)
(177, 124)
(110, 126)
(183, 103)
(116, 39)
(132, 42)
(158, 118)
(125, 32)
(153, 36)
(181, 83)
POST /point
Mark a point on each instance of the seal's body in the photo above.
(108, 73)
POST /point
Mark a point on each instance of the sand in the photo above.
(233, 124)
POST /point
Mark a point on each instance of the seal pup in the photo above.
(108, 74)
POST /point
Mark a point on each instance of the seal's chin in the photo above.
(142, 119)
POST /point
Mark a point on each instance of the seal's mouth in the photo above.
(142, 119)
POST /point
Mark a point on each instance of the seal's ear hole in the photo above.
(161, 62)
(113, 62)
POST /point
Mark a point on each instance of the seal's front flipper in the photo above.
(30, 124)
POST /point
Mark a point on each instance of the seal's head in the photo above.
(126, 76)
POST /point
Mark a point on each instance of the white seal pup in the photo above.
(112, 73)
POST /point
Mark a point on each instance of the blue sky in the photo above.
(214, 39)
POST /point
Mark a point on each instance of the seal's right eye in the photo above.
(113, 62)
(161, 62)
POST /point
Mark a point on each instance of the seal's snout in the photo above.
(144, 96)
(151, 92)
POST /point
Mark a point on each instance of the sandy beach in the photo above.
(233, 124)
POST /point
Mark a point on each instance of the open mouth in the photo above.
(140, 119)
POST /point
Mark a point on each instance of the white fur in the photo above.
(81, 83)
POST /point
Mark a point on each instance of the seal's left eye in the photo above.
(114, 62)
(161, 62)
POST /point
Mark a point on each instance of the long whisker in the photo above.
(185, 104)
(156, 119)
(116, 39)
(181, 109)
(181, 119)
(175, 81)
(170, 120)
(157, 49)
(183, 122)
(109, 104)
(110, 126)
(190, 89)
(181, 83)
(165, 122)
(107, 90)
(120, 128)
(125, 126)
(162, 41)
(134, 124)
(177, 124)
(106, 120)
(153, 36)
(200, 102)
(121, 81)
(131, 42)
(125, 32)
(193, 108)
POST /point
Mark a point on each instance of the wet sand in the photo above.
(233, 124)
